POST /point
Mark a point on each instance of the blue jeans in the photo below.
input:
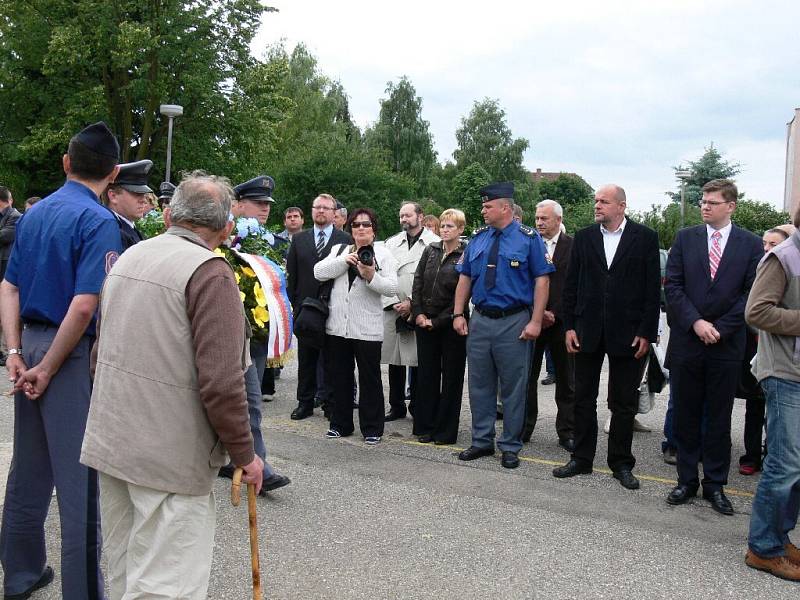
(777, 500)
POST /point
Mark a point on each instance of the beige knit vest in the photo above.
(147, 424)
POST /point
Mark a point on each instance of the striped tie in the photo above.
(320, 242)
(715, 254)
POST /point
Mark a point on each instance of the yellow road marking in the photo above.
(553, 463)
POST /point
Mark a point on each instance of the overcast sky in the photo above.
(614, 91)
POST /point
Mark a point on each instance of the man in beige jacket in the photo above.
(169, 398)
(399, 349)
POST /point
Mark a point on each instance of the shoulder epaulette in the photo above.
(480, 230)
(527, 230)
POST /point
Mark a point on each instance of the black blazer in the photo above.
(613, 304)
(559, 277)
(129, 235)
(301, 260)
(692, 294)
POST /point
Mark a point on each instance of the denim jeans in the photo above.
(777, 500)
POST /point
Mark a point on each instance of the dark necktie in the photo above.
(320, 242)
(491, 266)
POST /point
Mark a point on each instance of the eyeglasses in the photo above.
(356, 224)
(713, 203)
(322, 208)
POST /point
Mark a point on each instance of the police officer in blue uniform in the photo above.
(65, 246)
(506, 271)
(165, 192)
(125, 198)
(251, 195)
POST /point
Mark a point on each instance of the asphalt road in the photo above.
(408, 520)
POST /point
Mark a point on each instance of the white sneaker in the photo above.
(607, 426)
(372, 440)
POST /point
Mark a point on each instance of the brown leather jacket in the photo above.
(435, 283)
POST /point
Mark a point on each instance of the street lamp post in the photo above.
(683, 175)
(170, 111)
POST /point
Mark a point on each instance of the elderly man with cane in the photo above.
(169, 398)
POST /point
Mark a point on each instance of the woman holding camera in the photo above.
(362, 273)
(441, 352)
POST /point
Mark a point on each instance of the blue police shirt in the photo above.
(521, 259)
(65, 245)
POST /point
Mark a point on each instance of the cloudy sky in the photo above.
(616, 91)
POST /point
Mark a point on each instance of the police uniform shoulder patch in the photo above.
(480, 230)
(527, 230)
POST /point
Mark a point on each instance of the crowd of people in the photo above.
(138, 379)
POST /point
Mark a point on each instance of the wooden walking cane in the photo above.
(251, 512)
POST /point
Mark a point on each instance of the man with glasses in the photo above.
(710, 270)
(307, 249)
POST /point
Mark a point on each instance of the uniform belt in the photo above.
(38, 323)
(493, 313)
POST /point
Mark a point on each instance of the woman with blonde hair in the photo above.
(441, 352)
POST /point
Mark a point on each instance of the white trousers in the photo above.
(158, 545)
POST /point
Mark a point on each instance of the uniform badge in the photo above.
(514, 263)
(111, 258)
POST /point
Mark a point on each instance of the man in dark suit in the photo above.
(8, 227)
(610, 307)
(710, 270)
(307, 249)
(126, 199)
(549, 216)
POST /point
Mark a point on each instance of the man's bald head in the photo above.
(609, 206)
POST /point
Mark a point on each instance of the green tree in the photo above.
(484, 138)
(574, 195)
(403, 135)
(710, 166)
(757, 216)
(465, 193)
(64, 64)
(666, 220)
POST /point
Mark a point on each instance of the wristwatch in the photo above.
(14, 351)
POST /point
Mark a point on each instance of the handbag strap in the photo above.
(325, 289)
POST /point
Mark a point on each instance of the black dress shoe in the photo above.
(424, 439)
(681, 494)
(719, 502)
(549, 380)
(444, 442)
(274, 482)
(472, 453)
(510, 460)
(392, 415)
(571, 469)
(45, 580)
(302, 412)
(567, 444)
(626, 479)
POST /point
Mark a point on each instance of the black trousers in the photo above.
(441, 359)
(397, 389)
(703, 386)
(342, 356)
(624, 377)
(307, 358)
(755, 409)
(564, 364)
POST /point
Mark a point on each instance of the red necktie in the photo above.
(715, 253)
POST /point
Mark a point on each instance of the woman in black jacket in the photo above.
(441, 352)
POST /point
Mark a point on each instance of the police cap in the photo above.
(165, 191)
(99, 139)
(496, 190)
(258, 189)
(133, 176)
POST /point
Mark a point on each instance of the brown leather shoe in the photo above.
(792, 553)
(779, 566)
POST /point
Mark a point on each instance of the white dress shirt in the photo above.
(611, 240)
(328, 231)
(726, 233)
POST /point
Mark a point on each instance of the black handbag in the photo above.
(309, 323)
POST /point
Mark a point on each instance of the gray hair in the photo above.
(202, 200)
(556, 207)
(517, 212)
(342, 211)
